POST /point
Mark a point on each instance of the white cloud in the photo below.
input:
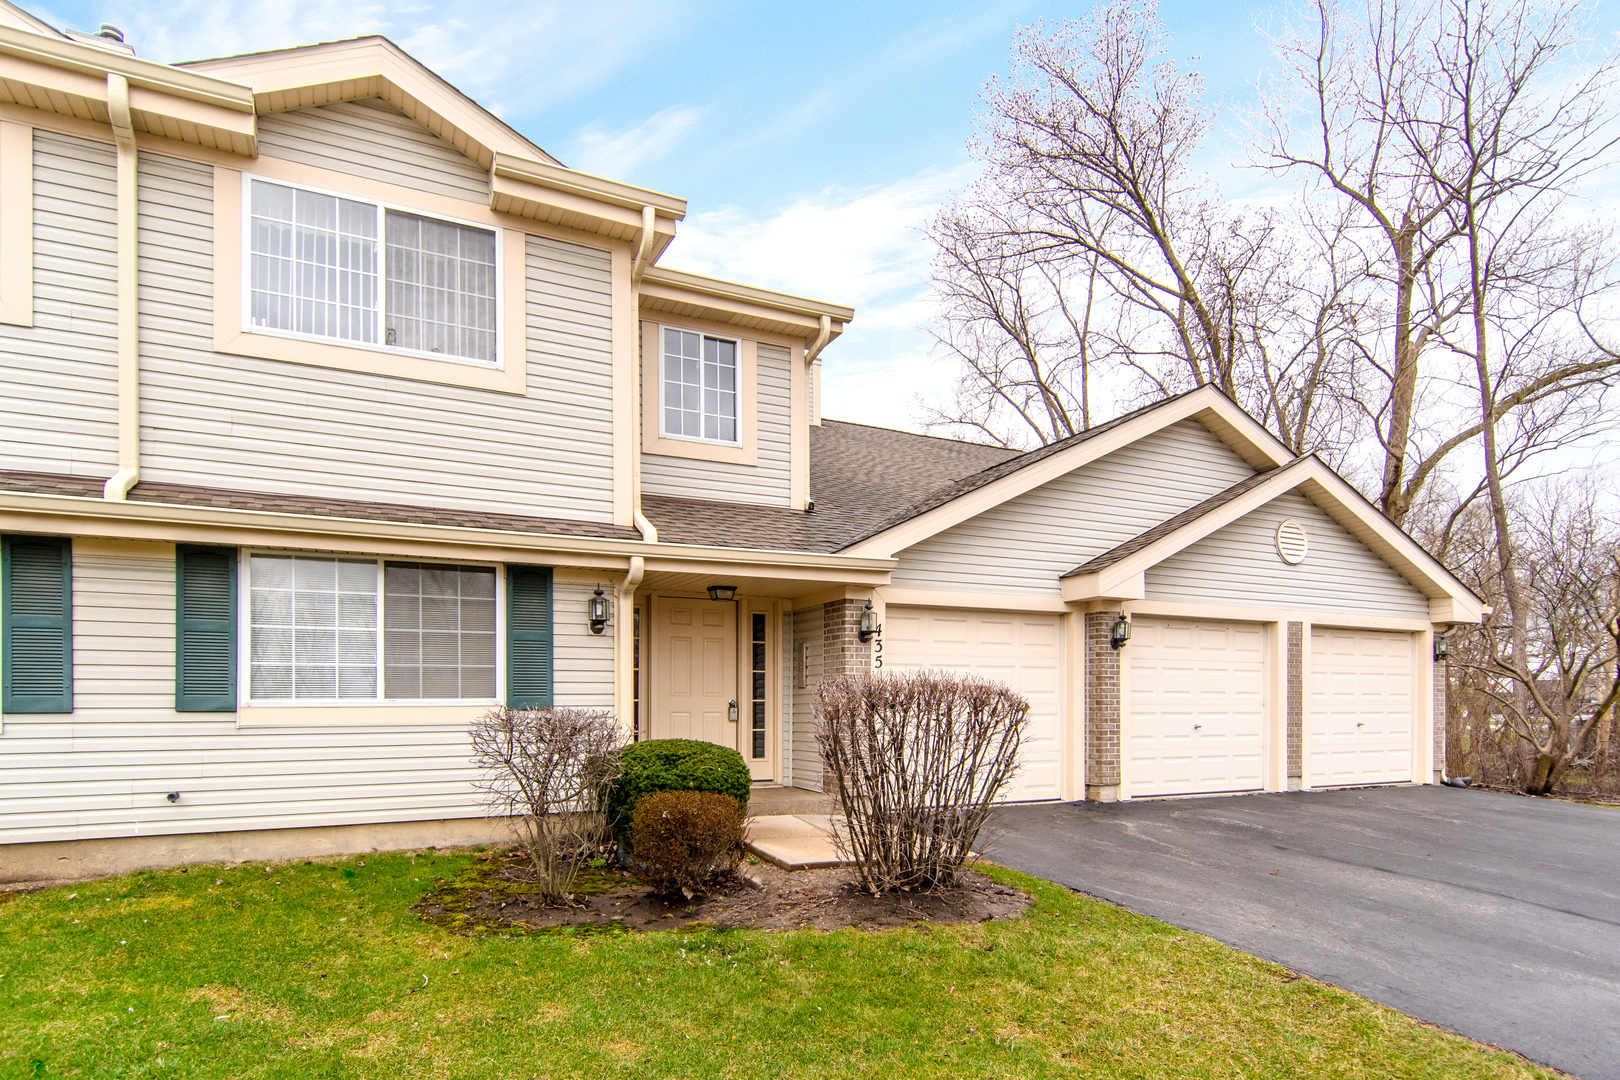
(861, 248)
(617, 155)
(511, 56)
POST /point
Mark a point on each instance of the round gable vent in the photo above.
(1292, 543)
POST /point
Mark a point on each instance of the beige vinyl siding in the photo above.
(226, 421)
(371, 138)
(104, 769)
(1239, 565)
(1027, 543)
(765, 483)
(583, 661)
(789, 693)
(58, 378)
(805, 756)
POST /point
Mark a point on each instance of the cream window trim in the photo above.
(16, 224)
(746, 450)
(402, 714)
(231, 335)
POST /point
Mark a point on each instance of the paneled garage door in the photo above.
(1360, 729)
(1198, 706)
(1019, 650)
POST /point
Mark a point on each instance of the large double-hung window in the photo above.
(332, 629)
(350, 271)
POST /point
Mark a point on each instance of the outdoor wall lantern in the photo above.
(722, 592)
(869, 624)
(1121, 632)
(1442, 646)
(599, 609)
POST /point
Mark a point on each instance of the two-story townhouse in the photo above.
(334, 412)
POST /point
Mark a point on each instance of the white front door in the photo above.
(1360, 729)
(1019, 650)
(1197, 706)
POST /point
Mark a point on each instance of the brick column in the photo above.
(842, 652)
(1296, 703)
(1440, 719)
(1102, 709)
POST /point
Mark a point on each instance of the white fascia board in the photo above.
(1204, 400)
(1105, 585)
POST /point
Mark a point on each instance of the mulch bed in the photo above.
(1594, 798)
(497, 894)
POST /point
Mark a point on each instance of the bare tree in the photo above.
(546, 772)
(1455, 129)
(1091, 247)
(1548, 692)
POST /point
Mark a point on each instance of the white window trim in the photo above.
(383, 206)
(737, 383)
(244, 635)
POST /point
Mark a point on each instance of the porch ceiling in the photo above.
(774, 586)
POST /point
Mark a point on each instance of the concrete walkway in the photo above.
(794, 841)
(1493, 915)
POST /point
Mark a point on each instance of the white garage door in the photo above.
(1360, 729)
(1019, 650)
(1198, 706)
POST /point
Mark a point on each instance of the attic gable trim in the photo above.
(313, 75)
(1205, 402)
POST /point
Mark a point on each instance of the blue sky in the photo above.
(811, 140)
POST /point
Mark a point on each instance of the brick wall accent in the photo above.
(1102, 708)
(1296, 704)
(1441, 675)
(842, 652)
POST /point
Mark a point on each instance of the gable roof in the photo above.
(1120, 573)
(972, 495)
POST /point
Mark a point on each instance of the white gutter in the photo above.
(129, 375)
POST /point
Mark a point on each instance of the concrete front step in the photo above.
(794, 841)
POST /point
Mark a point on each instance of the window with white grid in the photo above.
(314, 623)
(441, 287)
(324, 266)
(312, 628)
(439, 631)
(699, 387)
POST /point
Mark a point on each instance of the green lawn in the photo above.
(317, 970)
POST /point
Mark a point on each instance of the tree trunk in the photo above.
(1395, 500)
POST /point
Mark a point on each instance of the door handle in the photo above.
(731, 710)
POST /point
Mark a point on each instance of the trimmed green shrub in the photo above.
(684, 837)
(673, 765)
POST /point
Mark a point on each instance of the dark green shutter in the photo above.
(36, 624)
(528, 637)
(204, 629)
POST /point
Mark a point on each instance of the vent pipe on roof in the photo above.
(111, 33)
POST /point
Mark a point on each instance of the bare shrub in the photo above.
(683, 838)
(547, 772)
(918, 759)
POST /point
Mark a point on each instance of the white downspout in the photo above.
(627, 642)
(129, 374)
(648, 531)
(822, 337)
(649, 218)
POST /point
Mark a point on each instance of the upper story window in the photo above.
(699, 387)
(347, 270)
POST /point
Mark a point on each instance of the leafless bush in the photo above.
(547, 772)
(918, 759)
(683, 838)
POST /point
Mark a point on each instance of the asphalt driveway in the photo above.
(1492, 915)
